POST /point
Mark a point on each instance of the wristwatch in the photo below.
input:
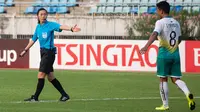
(72, 29)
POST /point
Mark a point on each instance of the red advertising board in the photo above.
(121, 55)
(9, 53)
(192, 58)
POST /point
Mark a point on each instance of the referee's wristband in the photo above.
(25, 50)
(72, 29)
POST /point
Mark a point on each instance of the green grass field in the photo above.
(93, 92)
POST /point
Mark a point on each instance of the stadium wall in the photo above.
(106, 26)
(116, 55)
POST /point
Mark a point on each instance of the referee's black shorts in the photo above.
(47, 60)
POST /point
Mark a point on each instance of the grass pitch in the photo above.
(93, 92)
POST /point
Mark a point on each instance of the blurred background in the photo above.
(99, 19)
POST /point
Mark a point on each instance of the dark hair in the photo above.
(39, 12)
(164, 6)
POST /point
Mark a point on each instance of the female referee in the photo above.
(44, 32)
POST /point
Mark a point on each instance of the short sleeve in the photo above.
(35, 37)
(56, 26)
(158, 27)
(179, 29)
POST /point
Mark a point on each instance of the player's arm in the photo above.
(152, 38)
(180, 37)
(69, 28)
(179, 40)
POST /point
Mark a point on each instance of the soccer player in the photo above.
(44, 32)
(168, 32)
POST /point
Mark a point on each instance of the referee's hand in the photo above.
(76, 29)
(22, 53)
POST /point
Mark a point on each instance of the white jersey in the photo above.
(169, 31)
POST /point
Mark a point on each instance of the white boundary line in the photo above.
(90, 99)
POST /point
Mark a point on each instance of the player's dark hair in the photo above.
(164, 6)
(39, 12)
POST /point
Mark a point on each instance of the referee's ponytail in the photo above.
(39, 11)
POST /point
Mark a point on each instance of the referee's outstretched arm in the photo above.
(68, 28)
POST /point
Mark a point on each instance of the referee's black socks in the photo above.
(39, 88)
(59, 87)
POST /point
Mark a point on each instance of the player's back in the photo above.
(169, 37)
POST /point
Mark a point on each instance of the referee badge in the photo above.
(44, 34)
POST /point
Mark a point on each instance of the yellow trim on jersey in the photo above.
(165, 44)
